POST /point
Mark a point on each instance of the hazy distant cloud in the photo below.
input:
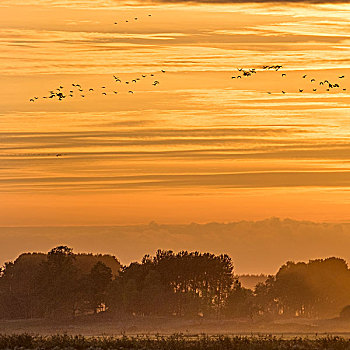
(255, 246)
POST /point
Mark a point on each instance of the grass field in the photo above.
(173, 342)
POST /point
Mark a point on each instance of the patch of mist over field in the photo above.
(102, 325)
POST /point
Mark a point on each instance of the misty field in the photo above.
(174, 342)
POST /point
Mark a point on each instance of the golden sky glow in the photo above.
(199, 146)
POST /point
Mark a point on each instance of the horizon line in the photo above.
(154, 222)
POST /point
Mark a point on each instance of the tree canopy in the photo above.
(183, 284)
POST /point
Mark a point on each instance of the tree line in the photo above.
(184, 284)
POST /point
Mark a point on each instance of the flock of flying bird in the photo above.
(76, 89)
(251, 71)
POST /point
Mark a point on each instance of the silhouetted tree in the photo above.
(240, 302)
(59, 282)
(99, 279)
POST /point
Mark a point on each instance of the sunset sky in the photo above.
(198, 147)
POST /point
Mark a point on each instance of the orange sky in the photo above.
(199, 146)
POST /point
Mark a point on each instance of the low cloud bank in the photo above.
(255, 246)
